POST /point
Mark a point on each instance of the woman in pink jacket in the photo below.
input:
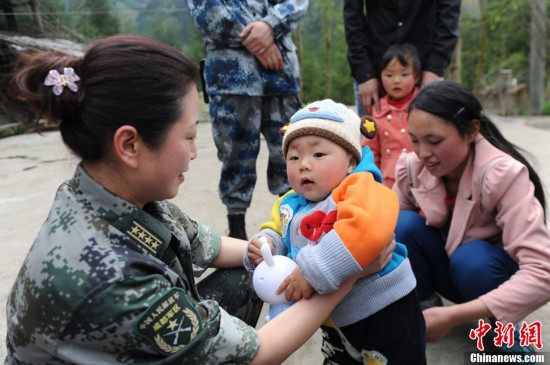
(472, 216)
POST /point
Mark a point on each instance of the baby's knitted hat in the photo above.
(331, 120)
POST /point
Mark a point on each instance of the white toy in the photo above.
(267, 277)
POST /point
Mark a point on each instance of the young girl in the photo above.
(110, 276)
(401, 73)
(472, 215)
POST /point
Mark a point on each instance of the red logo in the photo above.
(314, 225)
(529, 334)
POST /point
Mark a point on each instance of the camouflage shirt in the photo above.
(105, 282)
(230, 68)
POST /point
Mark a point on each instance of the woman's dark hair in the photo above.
(456, 104)
(406, 54)
(124, 80)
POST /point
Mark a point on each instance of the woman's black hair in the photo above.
(124, 80)
(406, 54)
(456, 104)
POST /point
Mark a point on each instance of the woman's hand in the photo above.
(441, 320)
(381, 261)
(438, 323)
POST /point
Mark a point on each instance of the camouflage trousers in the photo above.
(232, 289)
(238, 121)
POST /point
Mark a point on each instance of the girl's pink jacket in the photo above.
(496, 203)
(392, 136)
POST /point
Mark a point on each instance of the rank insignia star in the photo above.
(143, 236)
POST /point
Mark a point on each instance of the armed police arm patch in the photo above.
(172, 323)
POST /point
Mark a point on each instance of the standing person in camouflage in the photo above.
(253, 82)
(110, 276)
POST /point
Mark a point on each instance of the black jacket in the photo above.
(374, 25)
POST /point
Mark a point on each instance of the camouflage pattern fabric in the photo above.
(246, 99)
(106, 283)
(229, 68)
(231, 288)
(237, 122)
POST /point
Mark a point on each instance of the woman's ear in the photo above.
(474, 130)
(126, 145)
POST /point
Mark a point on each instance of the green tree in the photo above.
(92, 18)
(327, 22)
(325, 68)
(169, 21)
(495, 36)
(505, 24)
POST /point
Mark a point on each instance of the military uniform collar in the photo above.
(136, 223)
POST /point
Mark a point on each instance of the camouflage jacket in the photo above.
(105, 282)
(229, 67)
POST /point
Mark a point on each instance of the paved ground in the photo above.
(32, 166)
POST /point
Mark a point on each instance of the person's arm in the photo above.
(366, 215)
(365, 221)
(218, 21)
(285, 333)
(282, 18)
(360, 62)
(285, 16)
(355, 25)
(231, 253)
(257, 37)
(446, 36)
(441, 320)
(289, 330)
(407, 163)
(271, 58)
(369, 95)
(508, 192)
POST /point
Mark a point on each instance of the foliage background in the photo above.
(325, 71)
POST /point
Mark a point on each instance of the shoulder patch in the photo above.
(145, 237)
(171, 323)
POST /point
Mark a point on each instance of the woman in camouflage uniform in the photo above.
(109, 279)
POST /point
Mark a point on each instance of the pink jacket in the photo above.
(495, 202)
(392, 137)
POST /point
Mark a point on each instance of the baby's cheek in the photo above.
(292, 176)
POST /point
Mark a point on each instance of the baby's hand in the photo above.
(254, 253)
(296, 286)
